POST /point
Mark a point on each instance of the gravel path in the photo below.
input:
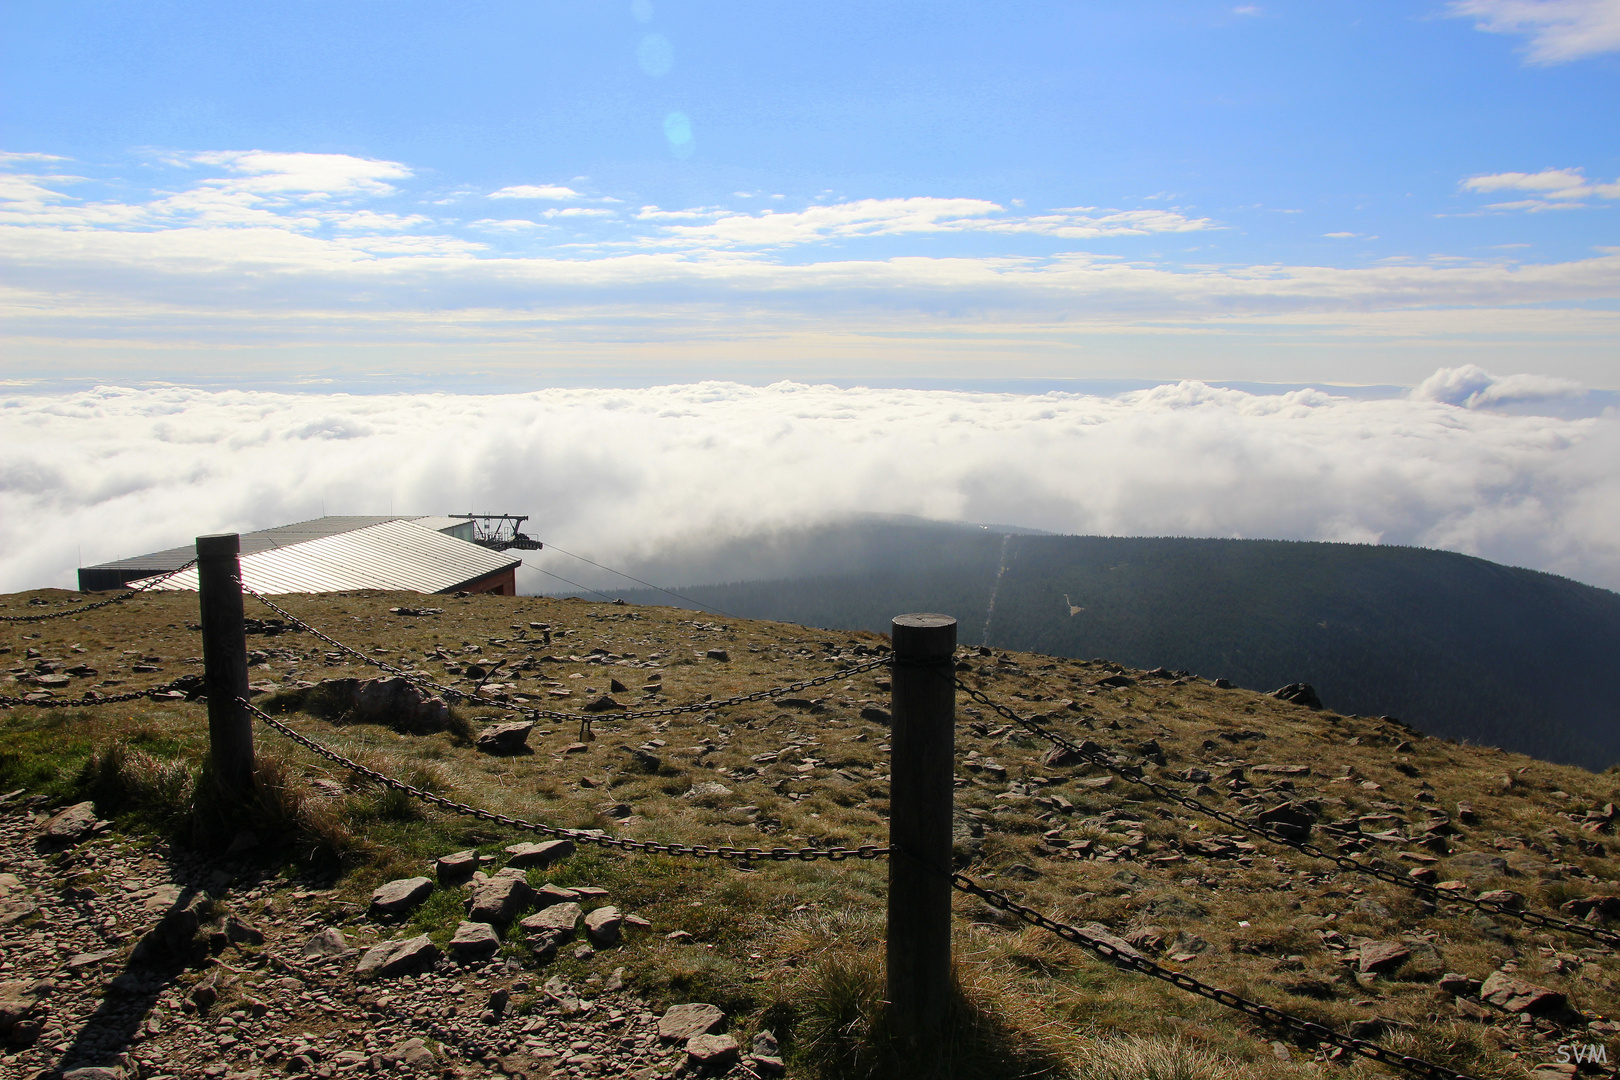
(77, 997)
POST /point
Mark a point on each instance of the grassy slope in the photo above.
(1459, 646)
(792, 945)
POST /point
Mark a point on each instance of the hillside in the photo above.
(784, 946)
(1458, 646)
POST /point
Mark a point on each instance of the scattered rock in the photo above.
(68, 827)
(644, 760)
(1298, 694)
(604, 926)
(681, 1022)
(498, 899)
(399, 898)
(711, 1053)
(559, 921)
(874, 715)
(718, 654)
(327, 944)
(605, 703)
(392, 959)
(509, 738)
(456, 866)
(541, 855)
(1514, 995)
(1383, 957)
(474, 941)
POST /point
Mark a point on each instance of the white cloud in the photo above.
(1556, 189)
(1340, 235)
(576, 212)
(1559, 30)
(310, 176)
(620, 474)
(554, 192)
(899, 217)
(1472, 387)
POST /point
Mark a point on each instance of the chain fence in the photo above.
(582, 836)
(454, 694)
(185, 685)
(1304, 1032)
(109, 602)
(1097, 755)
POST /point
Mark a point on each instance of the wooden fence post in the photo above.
(225, 678)
(922, 771)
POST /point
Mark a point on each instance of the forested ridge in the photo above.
(1459, 646)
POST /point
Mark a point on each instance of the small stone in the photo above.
(718, 654)
(765, 1044)
(456, 866)
(542, 855)
(711, 1052)
(399, 898)
(644, 760)
(602, 704)
(549, 894)
(412, 1052)
(498, 1000)
(512, 738)
(474, 941)
(681, 1022)
(708, 790)
(325, 945)
(874, 715)
(617, 687)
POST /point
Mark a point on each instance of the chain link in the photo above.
(583, 836)
(183, 683)
(1304, 1030)
(454, 694)
(1097, 755)
(100, 603)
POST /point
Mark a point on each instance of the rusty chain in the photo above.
(183, 683)
(1096, 755)
(583, 836)
(1303, 1030)
(100, 603)
(547, 714)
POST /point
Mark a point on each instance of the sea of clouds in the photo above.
(621, 475)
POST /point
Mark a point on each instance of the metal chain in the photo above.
(182, 683)
(1097, 755)
(547, 714)
(100, 603)
(1303, 1029)
(696, 851)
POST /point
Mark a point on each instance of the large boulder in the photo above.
(1298, 693)
(1517, 996)
(604, 926)
(393, 701)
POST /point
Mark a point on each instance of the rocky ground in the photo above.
(127, 958)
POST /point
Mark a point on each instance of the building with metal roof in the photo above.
(340, 554)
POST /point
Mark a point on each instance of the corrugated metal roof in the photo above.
(281, 536)
(394, 554)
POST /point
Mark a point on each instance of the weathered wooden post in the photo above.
(225, 678)
(922, 770)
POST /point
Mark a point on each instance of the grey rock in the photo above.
(1383, 957)
(549, 894)
(711, 1052)
(681, 1022)
(456, 866)
(542, 855)
(560, 920)
(474, 941)
(497, 900)
(399, 898)
(602, 704)
(1298, 694)
(94, 1072)
(512, 738)
(68, 827)
(644, 760)
(718, 654)
(394, 958)
(707, 791)
(1517, 996)
(1476, 864)
(412, 1052)
(604, 926)
(325, 945)
(765, 1044)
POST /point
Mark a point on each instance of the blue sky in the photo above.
(503, 194)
